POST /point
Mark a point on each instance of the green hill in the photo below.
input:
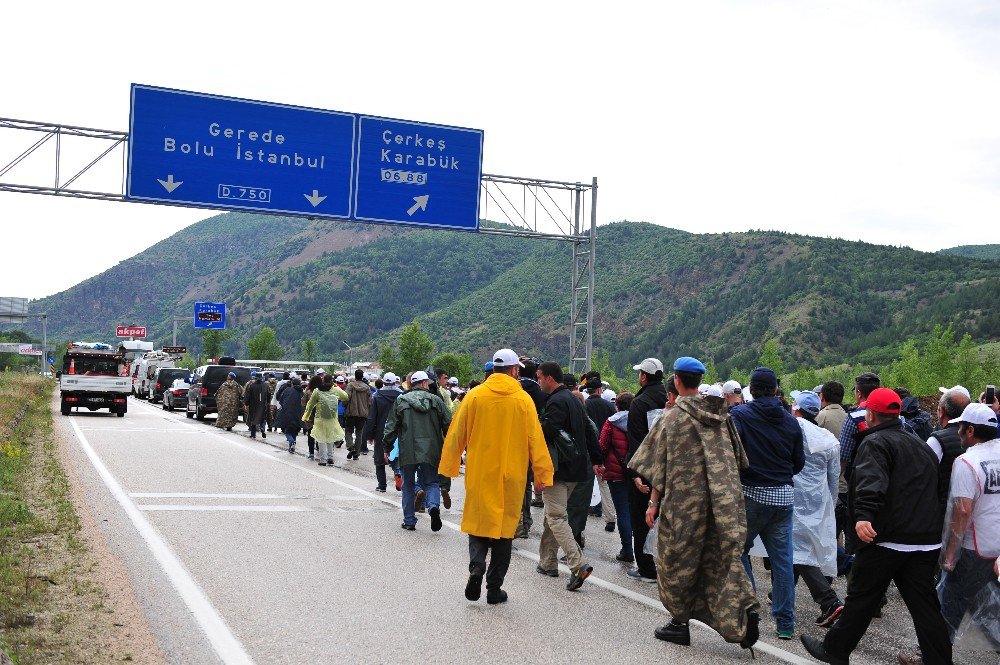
(991, 252)
(659, 291)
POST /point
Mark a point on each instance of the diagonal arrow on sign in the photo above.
(169, 184)
(315, 199)
(420, 203)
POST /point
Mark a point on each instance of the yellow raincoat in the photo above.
(498, 426)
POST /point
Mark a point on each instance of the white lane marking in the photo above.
(770, 649)
(197, 495)
(225, 644)
(135, 429)
(244, 509)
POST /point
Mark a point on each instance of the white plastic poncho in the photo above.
(814, 527)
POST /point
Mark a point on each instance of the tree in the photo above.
(455, 364)
(308, 349)
(769, 356)
(264, 345)
(387, 359)
(968, 370)
(711, 373)
(602, 365)
(938, 360)
(212, 341)
(415, 349)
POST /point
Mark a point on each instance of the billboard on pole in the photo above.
(13, 310)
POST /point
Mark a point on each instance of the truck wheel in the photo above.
(120, 414)
(199, 414)
(165, 407)
(64, 408)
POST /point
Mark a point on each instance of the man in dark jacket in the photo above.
(599, 410)
(773, 442)
(359, 401)
(894, 507)
(526, 373)
(570, 438)
(648, 403)
(945, 442)
(378, 413)
(256, 398)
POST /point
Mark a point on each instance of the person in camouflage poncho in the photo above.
(228, 401)
(692, 458)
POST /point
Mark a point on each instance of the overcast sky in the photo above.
(861, 119)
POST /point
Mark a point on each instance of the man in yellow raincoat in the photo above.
(498, 427)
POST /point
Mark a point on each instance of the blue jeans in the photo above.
(774, 526)
(619, 497)
(427, 477)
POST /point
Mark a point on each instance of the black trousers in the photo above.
(913, 572)
(499, 559)
(526, 520)
(637, 504)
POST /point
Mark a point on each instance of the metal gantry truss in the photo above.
(528, 207)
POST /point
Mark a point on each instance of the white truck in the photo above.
(146, 372)
(93, 376)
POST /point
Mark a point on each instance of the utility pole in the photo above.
(176, 319)
(350, 356)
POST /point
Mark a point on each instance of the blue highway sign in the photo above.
(208, 151)
(210, 315)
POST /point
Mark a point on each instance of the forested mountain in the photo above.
(659, 291)
(975, 251)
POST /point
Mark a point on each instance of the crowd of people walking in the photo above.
(694, 477)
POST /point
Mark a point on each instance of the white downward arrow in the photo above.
(315, 199)
(169, 184)
(420, 203)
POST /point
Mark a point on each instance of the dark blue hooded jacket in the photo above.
(772, 439)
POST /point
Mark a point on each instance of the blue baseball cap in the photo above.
(689, 364)
(764, 377)
(232, 374)
(806, 400)
(488, 367)
(253, 372)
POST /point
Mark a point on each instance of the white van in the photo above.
(146, 371)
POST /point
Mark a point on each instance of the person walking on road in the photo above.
(649, 402)
(893, 504)
(321, 409)
(419, 421)
(692, 460)
(378, 413)
(256, 398)
(290, 412)
(773, 443)
(228, 400)
(497, 428)
(614, 446)
(527, 373)
(599, 410)
(568, 433)
(356, 414)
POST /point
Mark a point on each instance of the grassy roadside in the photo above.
(49, 604)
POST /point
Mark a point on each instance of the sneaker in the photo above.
(263, 435)
(322, 463)
(537, 503)
(609, 527)
(636, 575)
(577, 579)
(418, 501)
(496, 596)
(409, 527)
(625, 557)
(446, 499)
(338, 444)
(818, 651)
(474, 587)
(398, 480)
(521, 533)
(311, 456)
(364, 452)
(830, 616)
(784, 633)
(678, 633)
(435, 514)
(329, 461)
(909, 659)
(380, 489)
(542, 571)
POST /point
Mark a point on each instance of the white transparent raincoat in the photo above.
(814, 527)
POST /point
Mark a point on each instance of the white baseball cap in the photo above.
(977, 414)
(390, 379)
(340, 379)
(453, 381)
(506, 358)
(961, 389)
(649, 366)
(320, 371)
(417, 377)
(703, 388)
(731, 387)
(713, 391)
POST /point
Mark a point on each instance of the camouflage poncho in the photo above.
(228, 400)
(692, 456)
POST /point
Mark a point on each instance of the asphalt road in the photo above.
(240, 552)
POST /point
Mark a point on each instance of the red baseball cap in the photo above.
(885, 401)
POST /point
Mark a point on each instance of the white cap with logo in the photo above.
(731, 387)
(649, 366)
(506, 358)
(961, 389)
(390, 379)
(977, 414)
(419, 376)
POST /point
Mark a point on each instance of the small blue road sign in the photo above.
(208, 151)
(210, 315)
(191, 149)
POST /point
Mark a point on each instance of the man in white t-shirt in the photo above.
(971, 541)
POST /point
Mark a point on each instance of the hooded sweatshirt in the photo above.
(419, 420)
(773, 442)
(614, 445)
